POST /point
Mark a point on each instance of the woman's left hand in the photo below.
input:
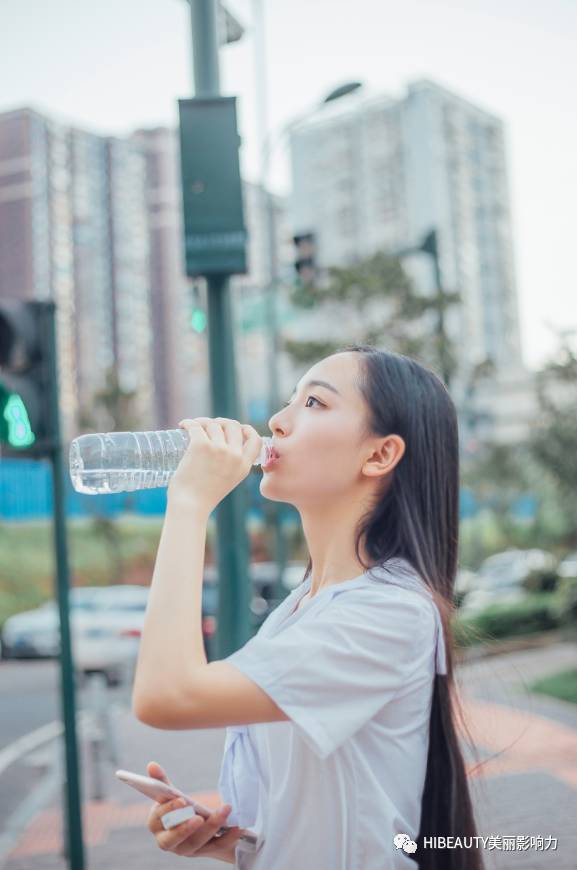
(219, 456)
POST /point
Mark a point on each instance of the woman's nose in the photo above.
(274, 424)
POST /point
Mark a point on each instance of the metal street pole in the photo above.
(204, 24)
(74, 847)
(430, 245)
(232, 545)
(271, 298)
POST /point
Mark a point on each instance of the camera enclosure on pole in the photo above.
(214, 229)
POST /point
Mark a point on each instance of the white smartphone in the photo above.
(161, 792)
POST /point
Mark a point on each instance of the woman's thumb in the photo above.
(157, 772)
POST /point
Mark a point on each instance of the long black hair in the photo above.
(416, 517)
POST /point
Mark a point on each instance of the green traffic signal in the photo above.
(15, 428)
(198, 320)
(27, 400)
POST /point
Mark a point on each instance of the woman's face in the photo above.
(319, 436)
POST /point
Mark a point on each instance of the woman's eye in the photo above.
(306, 406)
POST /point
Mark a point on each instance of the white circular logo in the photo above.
(404, 842)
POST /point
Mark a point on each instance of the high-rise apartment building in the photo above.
(94, 297)
(73, 228)
(95, 223)
(174, 346)
(376, 173)
(133, 324)
(37, 231)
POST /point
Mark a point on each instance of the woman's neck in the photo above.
(330, 538)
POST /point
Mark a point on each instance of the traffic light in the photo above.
(305, 258)
(27, 406)
(198, 316)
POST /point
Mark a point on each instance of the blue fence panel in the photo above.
(26, 494)
(468, 506)
(25, 489)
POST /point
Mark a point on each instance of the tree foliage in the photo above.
(553, 440)
(112, 408)
(408, 324)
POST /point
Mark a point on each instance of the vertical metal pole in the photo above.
(205, 48)
(430, 245)
(232, 545)
(269, 218)
(75, 847)
(272, 301)
(441, 314)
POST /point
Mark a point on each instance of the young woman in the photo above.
(341, 749)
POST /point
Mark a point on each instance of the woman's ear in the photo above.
(385, 457)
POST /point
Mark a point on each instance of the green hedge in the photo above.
(537, 612)
(567, 601)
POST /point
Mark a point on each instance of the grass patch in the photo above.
(562, 685)
(98, 555)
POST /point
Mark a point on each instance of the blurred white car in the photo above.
(293, 574)
(36, 633)
(501, 576)
(106, 639)
(568, 567)
(465, 581)
(32, 633)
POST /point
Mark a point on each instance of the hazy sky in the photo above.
(113, 65)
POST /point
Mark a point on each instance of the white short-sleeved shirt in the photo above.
(353, 668)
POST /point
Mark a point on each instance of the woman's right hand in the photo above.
(195, 837)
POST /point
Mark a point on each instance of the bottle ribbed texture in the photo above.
(108, 462)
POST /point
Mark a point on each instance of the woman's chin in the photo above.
(268, 489)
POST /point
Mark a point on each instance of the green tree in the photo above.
(553, 440)
(112, 409)
(498, 474)
(113, 404)
(408, 322)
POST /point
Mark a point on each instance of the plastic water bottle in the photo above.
(125, 461)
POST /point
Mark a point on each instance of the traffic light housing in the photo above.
(305, 258)
(28, 427)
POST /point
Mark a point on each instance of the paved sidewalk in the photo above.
(527, 786)
(527, 781)
(115, 832)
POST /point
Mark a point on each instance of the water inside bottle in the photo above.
(113, 480)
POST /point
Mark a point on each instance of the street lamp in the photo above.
(342, 91)
(269, 144)
(273, 140)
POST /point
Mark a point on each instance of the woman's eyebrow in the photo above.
(318, 384)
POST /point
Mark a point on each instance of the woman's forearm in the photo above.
(171, 645)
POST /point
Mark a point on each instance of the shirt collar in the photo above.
(398, 571)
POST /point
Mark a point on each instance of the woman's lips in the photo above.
(271, 460)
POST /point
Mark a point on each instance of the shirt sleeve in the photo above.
(334, 668)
